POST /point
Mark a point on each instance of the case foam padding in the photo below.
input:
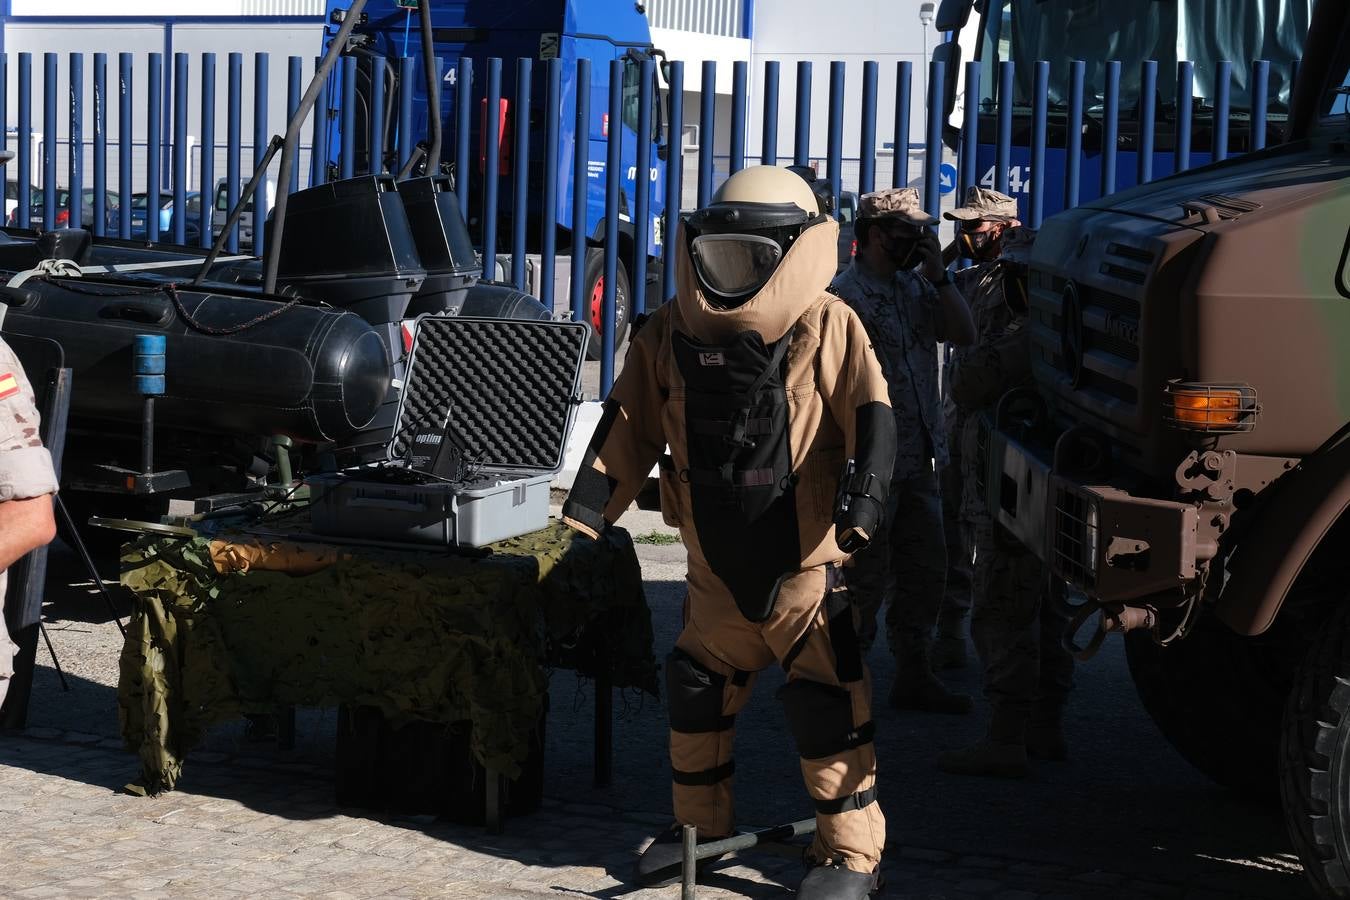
(511, 385)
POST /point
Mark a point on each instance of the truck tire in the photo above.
(594, 297)
(1315, 760)
(1218, 698)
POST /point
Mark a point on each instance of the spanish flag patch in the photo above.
(9, 385)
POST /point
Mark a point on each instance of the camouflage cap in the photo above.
(1017, 243)
(982, 203)
(894, 203)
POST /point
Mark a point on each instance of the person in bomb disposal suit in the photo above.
(781, 437)
(900, 288)
(27, 481)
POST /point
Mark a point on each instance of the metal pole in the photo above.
(769, 138)
(347, 160)
(521, 169)
(1148, 114)
(406, 143)
(318, 152)
(867, 142)
(970, 130)
(706, 125)
(642, 187)
(25, 138)
(432, 72)
(1003, 146)
(48, 141)
(801, 151)
(688, 870)
(491, 167)
(1185, 88)
(739, 80)
(548, 220)
(295, 76)
(125, 144)
(208, 148)
(75, 164)
(260, 147)
(1038, 116)
(613, 163)
(100, 142)
(674, 178)
(932, 156)
(1222, 79)
(234, 142)
(904, 82)
(463, 122)
(1110, 128)
(1260, 102)
(375, 140)
(180, 154)
(834, 151)
(1073, 152)
(581, 157)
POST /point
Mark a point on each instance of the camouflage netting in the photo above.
(421, 636)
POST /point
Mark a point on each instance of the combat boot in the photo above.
(831, 881)
(1045, 737)
(986, 757)
(949, 652)
(661, 863)
(917, 688)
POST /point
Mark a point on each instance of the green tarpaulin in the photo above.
(421, 636)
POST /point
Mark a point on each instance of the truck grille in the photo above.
(1101, 354)
(1074, 552)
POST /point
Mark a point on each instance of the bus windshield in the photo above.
(1204, 32)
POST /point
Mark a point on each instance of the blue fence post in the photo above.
(1223, 77)
(801, 148)
(407, 78)
(904, 82)
(1039, 111)
(613, 163)
(768, 154)
(867, 140)
(1003, 144)
(581, 185)
(1185, 88)
(642, 187)
(834, 145)
(1073, 139)
(25, 138)
(1148, 115)
(674, 178)
(548, 219)
(376, 136)
(100, 141)
(520, 163)
(318, 148)
(491, 166)
(48, 141)
(234, 137)
(208, 179)
(1110, 128)
(706, 119)
(739, 81)
(260, 138)
(154, 93)
(347, 164)
(1260, 102)
(180, 154)
(75, 164)
(970, 131)
(295, 74)
(932, 155)
(126, 142)
(463, 124)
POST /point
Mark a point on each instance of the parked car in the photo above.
(192, 226)
(37, 213)
(222, 212)
(12, 197)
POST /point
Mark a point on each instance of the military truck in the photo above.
(1183, 458)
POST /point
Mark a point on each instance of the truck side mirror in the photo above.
(948, 53)
(952, 15)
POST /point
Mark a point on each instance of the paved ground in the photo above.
(1125, 818)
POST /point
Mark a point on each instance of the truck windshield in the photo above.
(1204, 32)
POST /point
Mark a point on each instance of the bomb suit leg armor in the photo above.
(781, 440)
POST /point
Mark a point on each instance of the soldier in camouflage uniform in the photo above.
(27, 481)
(899, 287)
(981, 224)
(1027, 672)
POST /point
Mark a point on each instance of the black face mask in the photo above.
(902, 249)
(979, 245)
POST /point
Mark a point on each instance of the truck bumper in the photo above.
(1113, 546)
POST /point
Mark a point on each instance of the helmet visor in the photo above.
(735, 265)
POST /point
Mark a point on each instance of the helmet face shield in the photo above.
(735, 266)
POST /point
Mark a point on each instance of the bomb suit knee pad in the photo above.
(820, 717)
(694, 695)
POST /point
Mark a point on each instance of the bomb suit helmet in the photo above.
(739, 239)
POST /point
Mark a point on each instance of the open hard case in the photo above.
(500, 395)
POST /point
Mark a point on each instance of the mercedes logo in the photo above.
(1071, 333)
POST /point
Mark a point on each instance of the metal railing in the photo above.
(1050, 174)
(725, 18)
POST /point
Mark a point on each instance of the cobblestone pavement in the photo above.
(1126, 818)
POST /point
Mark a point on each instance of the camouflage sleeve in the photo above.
(627, 442)
(981, 374)
(25, 465)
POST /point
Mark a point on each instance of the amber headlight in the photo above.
(1212, 408)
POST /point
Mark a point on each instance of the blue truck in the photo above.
(569, 30)
(1203, 32)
